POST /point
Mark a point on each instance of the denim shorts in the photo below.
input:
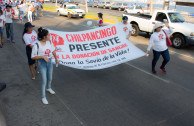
(1, 31)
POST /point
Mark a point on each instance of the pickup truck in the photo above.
(70, 10)
(183, 32)
(136, 10)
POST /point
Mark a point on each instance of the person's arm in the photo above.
(34, 54)
(150, 44)
(168, 30)
(55, 56)
(54, 52)
(3, 24)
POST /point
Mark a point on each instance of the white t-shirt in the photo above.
(159, 40)
(30, 38)
(30, 7)
(126, 28)
(45, 50)
(21, 7)
(8, 17)
(2, 18)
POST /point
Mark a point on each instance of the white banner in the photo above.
(94, 49)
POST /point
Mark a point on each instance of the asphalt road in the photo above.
(124, 95)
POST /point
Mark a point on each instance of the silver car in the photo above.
(104, 5)
(93, 4)
(119, 6)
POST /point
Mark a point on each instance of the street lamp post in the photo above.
(56, 3)
(86, 3)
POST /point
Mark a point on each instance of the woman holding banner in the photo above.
(30, 38)
(160, 46)
(43, 51)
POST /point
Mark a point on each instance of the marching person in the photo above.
(40, 8)
(9, 15)
(100, 21)
(21, 12)
(126, 27)
(30, 38)
(2, 25)
(160, 46)
(43, 51)
(30, 10)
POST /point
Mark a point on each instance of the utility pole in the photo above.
(151, 6)
(56, 3)
(86, 3)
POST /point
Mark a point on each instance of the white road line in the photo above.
(181, 54)
(166, 81)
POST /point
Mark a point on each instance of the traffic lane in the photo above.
(97, 10)
(78, 24)
(21, 100)
(179, 69)
(121, 95)
(113, 12)
(178, 57)
(121, 75)
(80, 75)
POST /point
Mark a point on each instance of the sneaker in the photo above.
(44, 101)
(163, 70)
(8, 39)
(154, 72)
(13, 41)
(50, 91)
(33, 78)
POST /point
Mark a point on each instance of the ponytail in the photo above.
(42, 33)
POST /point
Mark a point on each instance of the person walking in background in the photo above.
(30, 38)
(2, 25)
(160, 46)
(30, 10)
(40, 8)
(9, 23)
(100, 21)
(126, 27)
(21, 12)
(43, 51)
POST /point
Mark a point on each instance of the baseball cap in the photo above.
(125, 18)
(28, 24)
(100, 13)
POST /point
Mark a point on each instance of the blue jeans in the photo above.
(46, 72)
(165, 55)
(21, 13)
(9, 30)
(1, 31)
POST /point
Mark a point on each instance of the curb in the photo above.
(90, 17)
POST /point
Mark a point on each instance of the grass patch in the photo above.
(49, 7)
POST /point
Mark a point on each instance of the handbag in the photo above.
(168, 41)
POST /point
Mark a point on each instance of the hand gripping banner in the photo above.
(94, 49)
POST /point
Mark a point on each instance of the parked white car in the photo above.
(70, 10)
(136, 10)
(183, 32)
(104, 5)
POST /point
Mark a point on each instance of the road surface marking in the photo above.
(166, 81)
(182, 54)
